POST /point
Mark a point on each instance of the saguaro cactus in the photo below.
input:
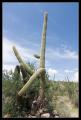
(41, 71)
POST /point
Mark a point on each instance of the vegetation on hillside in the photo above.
(54, 90)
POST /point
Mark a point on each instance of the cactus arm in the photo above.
(26, 66)
(36, 56)
(32, 78)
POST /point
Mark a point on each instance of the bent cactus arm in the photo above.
(32, 78)
(26, 66)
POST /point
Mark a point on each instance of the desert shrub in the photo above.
(62, 110)
(10, 85)
(73, 93)
(49, 94)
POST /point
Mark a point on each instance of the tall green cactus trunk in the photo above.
(42, 57)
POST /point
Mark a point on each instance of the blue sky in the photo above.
(22, 27)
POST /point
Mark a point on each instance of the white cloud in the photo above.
(68, 71)
(61, 54)
(7, 52)
(8, 67)
(72, 74)
(52, 72)
(9, 57)
(70, 54)
(10, 61)
(75, 69)
(76, 77)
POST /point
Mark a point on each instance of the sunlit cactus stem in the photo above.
(42, 56)
(43, 42)
(32, 78)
